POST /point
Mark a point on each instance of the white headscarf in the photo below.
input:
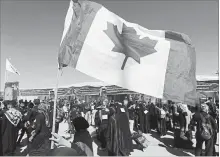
(204, 108)
(185, 107)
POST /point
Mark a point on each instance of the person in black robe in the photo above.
(32, 111)
(153, 116)
(11, 123)
(97, 119)
(112, 134)
(125, 140)
(136, 117)
(182, 122)
(39, 139)
(29, 117)
(143, 116)
(101, 121)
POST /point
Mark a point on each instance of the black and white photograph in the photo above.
(109, 78)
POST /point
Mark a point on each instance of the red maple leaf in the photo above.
(129, 43)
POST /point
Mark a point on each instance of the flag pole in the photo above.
(6, 78)
(55, 106)
(6, 73)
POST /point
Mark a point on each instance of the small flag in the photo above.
(101, 44)
(11, 68)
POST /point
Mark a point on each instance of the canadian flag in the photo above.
(157, 63)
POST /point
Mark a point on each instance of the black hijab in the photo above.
(80, 123)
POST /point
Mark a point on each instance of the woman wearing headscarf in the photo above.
(200, 118)
(136, 117)
(102, 124)
(112, 135)
(153, 116)
(182, 110)
(169, 115)
(39, 139)
(11, 123)
(188, 117)
(125, 140)
(161, 121)
(143, 119)
(82, 136)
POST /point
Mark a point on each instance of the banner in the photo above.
(11, 91)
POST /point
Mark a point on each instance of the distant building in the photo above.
(91, 91)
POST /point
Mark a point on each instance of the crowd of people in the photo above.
(115, 124)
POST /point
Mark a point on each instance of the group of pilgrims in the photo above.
(115, 124)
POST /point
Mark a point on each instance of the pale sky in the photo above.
(31, 32)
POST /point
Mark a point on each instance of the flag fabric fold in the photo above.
(11, 68)
(102, 45)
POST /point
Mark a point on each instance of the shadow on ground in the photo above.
(168, 143)
(105, 152)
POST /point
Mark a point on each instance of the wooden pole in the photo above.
(54, 107)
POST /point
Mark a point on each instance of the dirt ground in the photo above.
(157, 146)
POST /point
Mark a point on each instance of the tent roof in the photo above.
(206, 78)
(100, 83)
